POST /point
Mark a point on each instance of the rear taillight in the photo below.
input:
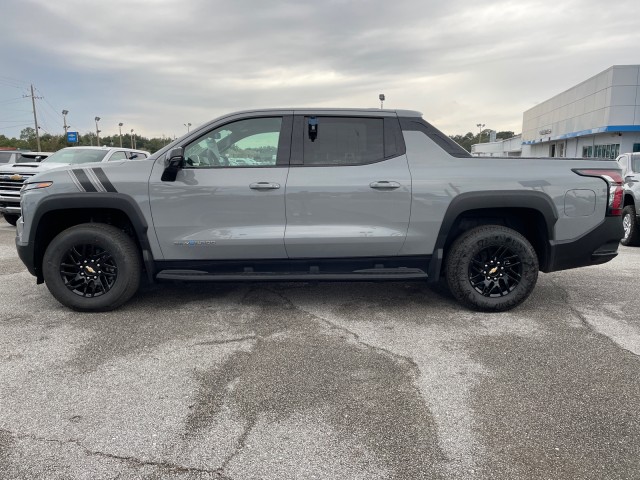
(614, 181)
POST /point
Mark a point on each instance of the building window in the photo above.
(604, 151)
(636, 147)
(587, 152)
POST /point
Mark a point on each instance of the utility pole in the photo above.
(35, 118)
(66, 127)
(97, 132)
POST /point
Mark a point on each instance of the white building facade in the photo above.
(599, 117)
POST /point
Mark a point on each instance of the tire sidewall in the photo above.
(630, 239)
(114, 245)
(473, 242)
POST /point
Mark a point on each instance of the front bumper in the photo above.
(26, 250)
(593, 248)
(10, 204)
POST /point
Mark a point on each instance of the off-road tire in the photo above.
(11, 218)
(630, 224)
(513, 273)
(119, 251)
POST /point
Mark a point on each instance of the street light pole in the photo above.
(97, 131)
(188, 125)
(381, 97)
(120, 129)
(133, 139)
(480, 126)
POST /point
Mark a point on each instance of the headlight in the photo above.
(33, 186)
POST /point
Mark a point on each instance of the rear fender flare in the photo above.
(506, 199)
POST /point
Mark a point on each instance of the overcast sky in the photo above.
(158, 64)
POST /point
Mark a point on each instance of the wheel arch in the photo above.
(628, 199)
(530, 213)
(57, 213)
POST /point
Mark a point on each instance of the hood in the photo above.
(27, 167)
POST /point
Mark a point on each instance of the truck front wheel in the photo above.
(11, 218)
(491, 268)
(631, 233)
(92, 267)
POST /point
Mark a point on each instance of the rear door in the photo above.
(228, 200)
(349, 187)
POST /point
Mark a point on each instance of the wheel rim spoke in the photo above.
(495, 271)
(88, 270)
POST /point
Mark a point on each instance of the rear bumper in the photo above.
(593, 248)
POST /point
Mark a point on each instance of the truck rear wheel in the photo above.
(92, 267)
(11, 218)
(491, 268)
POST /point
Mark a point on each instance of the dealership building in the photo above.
(599, 117)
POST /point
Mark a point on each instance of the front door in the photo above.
(227, 202)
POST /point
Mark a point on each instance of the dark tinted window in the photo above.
(343, 140)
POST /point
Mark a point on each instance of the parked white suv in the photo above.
(12, 176)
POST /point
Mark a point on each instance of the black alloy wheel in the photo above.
(88, 270)
(92, 267)
(491, 268)
(495, 271)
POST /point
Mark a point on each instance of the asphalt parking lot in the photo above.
(325, 381)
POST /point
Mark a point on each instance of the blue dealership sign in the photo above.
(72, 137)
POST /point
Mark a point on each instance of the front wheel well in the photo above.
(530, 223)
(54, 222)
(628, 200)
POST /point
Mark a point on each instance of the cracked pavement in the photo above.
(326, 381)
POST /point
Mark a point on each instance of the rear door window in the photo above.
(343, 140)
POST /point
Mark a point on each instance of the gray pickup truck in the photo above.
(316, 194)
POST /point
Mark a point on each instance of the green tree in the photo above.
(504, 135)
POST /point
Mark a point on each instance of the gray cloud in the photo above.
(156, 64)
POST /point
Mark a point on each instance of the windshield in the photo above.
(76, 155)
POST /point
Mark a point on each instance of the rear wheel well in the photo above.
(529, 222)
(56, 221)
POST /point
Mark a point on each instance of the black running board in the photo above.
(371, 274)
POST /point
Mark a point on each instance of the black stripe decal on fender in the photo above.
(108, 186)
(84, 180)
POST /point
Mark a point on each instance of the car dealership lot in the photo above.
(330, 380)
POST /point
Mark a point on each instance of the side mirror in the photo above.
(173, 161)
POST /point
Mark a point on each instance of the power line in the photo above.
(12, 82)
